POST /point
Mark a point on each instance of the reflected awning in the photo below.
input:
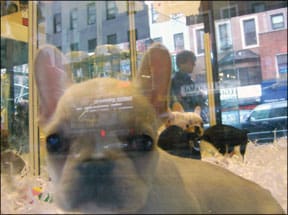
(239, 56)
(12, 27)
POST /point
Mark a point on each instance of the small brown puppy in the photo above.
(102, 153)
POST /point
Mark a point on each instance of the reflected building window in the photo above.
(73, 18)
(57, 23)
(154, 14)
(225, 41)
(258, 7)
(249, 75)
(178, 42)
(112, 39)
(282, 63)
(74, 47)
(91, 14)
(229, 12)
(92, 43)
(249, 32)
(111, 10)
(277, 21)
(199, 33)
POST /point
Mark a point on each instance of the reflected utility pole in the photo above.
(212, 64)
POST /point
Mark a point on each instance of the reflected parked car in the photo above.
(267, 122)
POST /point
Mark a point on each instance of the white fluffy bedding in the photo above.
(264, 164)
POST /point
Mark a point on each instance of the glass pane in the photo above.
(15, 73)
(123, 85)
(14, 78)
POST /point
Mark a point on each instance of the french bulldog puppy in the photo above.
(182, 132)
(227, 139)
(188, 121)
(102, 152)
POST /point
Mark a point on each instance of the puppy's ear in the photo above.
(52, 76)
(154, 77)
(177, 107)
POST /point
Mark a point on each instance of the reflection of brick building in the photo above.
(272, 44)
(260, 27)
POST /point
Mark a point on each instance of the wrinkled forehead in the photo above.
(95, 109)
(107, 111)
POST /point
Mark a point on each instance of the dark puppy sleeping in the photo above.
(225, 138)
(102, 152)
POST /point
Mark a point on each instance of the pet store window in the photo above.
(238, 69)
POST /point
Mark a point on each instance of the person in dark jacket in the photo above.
(183, 89)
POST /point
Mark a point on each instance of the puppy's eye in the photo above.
(55, 143)
(139, 143)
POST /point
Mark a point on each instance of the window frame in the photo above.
(229, 35)
(243, 38)
(273, 24)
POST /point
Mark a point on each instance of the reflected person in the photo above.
(183, 88)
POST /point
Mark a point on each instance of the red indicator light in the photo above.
(103, 133)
